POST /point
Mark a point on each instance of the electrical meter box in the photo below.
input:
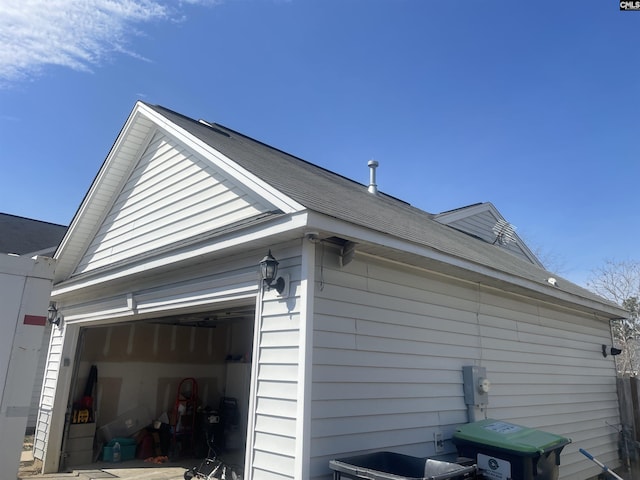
(476, 385)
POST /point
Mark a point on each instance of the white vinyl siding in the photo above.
(172, 195)
(390, 344)
(277, 349)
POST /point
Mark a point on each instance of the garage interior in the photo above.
(169, 384)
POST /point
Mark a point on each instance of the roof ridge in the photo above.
(33, 219)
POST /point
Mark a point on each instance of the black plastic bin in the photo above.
(505, 451)
(396, 466)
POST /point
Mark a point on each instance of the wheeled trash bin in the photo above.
(505, 451)
(396, 466)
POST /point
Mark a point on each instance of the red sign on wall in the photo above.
(35, 320)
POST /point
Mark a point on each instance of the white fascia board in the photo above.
(282, 225)
(231, 168)
(329, 224)
(97, 185)
(94, 206)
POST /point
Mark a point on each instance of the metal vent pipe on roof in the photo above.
(373, 187)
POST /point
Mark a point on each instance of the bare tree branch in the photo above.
(619, 281)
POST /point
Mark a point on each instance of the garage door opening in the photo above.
(165, 389)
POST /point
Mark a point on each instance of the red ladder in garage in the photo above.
(184, 416)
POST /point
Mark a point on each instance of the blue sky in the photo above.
(532, 106)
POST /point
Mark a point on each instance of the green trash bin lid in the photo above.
(509, 437)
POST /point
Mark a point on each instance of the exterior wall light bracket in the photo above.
(52, 314)
(269, 274)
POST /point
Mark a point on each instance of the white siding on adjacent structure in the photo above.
(37, 386)
(390, 344)
(172, 195)
(272, 449)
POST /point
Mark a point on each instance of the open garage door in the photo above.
(160, 383)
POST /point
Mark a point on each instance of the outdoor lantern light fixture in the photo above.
(269, 272)
(52, 314)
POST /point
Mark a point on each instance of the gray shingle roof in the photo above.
(331, 194)
(21, 235)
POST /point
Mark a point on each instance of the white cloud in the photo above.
(207, 3)
(76, 34)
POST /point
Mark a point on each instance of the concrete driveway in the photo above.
(129, 470)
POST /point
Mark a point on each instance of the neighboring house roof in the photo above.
(25, 236)
(290, 183)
